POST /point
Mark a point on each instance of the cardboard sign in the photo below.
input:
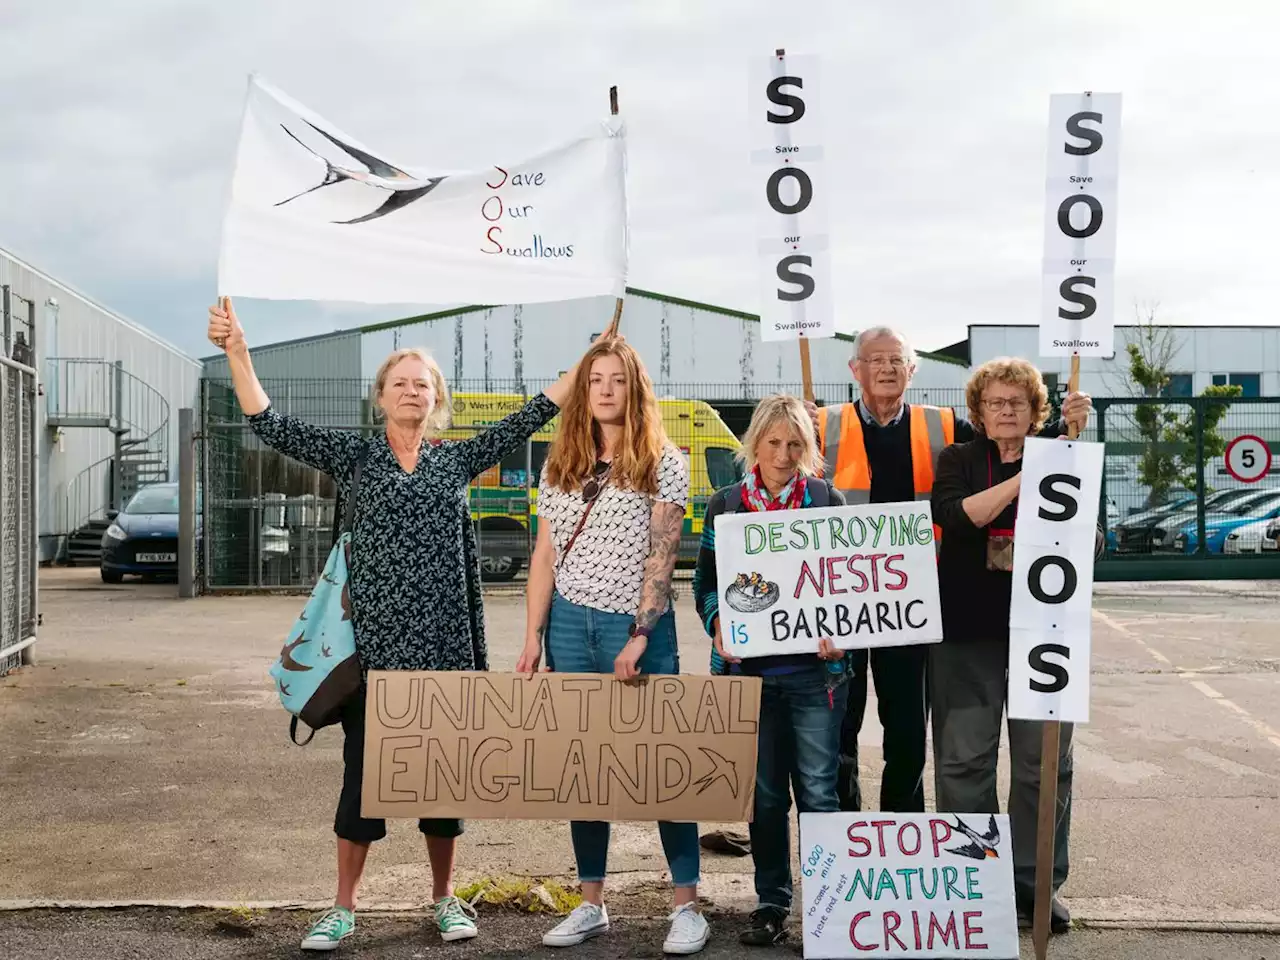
(1080, 225)
(316, 215)
(559, 746)
(795, 255)
(862, 576)
(907, 885)
(1054, 539)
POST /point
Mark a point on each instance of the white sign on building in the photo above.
(1080, 225)
(794, 247)
(1054, 543)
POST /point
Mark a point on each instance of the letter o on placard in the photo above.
(775, 184)
(1070, 579)
(484, 209)
(1095, 216)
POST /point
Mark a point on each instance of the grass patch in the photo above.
(521, 893)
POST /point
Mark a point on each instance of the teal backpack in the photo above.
(318, 669)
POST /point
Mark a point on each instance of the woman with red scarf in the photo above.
(803, 697)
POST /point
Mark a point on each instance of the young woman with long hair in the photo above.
(611, 507)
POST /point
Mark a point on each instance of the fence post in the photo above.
(8, 322)
(1101, 407)
(117, 464)
(186, 504)
(1199, 408)
(33, 464)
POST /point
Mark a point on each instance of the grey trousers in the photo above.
(967, 684)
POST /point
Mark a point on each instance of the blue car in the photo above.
(143, 538)
(1218, 525)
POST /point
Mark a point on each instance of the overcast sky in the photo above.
(119, 123)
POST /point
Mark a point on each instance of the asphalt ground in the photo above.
(145, 759)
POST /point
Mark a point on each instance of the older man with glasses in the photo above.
(881, 449)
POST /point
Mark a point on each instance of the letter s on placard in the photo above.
(788, 274)
(1038, 663)
(1070, 507)
(792, 102)
(1074, 129)
(1067, 290)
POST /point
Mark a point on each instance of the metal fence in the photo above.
(18, 513)
(1170, 509)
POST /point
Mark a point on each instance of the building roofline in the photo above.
(313, 338)
(631, 291)
(99, 305)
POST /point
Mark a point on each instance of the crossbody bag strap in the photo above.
(349, 508)
(582, 522)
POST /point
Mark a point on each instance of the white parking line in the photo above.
(1192, 677)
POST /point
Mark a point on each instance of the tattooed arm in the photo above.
(665, 525)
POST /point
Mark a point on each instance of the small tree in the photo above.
(1168, 437)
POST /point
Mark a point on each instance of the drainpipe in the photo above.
(117, 465)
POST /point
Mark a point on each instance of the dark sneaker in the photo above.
(767, 927)
(1059, 916)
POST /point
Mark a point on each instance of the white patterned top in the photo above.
(605, 568)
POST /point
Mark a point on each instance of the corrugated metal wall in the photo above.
(681, 345)
(81, 328)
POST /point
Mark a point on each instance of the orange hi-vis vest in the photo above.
(845, 454)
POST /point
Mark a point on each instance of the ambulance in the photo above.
(504, 499)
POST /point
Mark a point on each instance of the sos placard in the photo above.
(1080, 225)
(1054, 540)
(788, 173)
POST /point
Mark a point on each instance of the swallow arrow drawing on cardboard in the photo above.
(721, 769)
(286, 655)
(982, 845)
(405, 189)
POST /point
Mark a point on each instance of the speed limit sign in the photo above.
(1248, 458)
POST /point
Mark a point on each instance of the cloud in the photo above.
(118, 139)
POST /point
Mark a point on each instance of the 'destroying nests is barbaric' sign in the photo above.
(559, 746)
(1080, 225)
(1054, 539)
(907, 885)
(795, 266)
(861, 576)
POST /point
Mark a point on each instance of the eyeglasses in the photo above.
(897, 363)
(996, 404)
(591, 489)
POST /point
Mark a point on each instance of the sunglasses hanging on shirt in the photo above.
(591, 489)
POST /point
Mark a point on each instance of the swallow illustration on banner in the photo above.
(721, 769)
(405, 189)
(286, 655)
(326, 652)
(284, 689)
(983, 845)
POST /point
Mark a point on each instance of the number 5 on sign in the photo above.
(1054, 540)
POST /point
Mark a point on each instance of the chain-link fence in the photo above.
(18, 512)
(267, 520)
(1172, 493)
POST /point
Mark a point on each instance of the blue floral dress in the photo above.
(414, 569)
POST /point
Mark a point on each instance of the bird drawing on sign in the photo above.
(982, 845)
(721, 769)
(284, 689)
(302, 615)
(326, 652)
(328, 578)
(286, 655)
(404, 188)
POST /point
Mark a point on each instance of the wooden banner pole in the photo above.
(612, 330)
(1048, 809)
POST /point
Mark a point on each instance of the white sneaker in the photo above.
(585, 922)
(689, 931)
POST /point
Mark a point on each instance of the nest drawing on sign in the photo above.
(751, 593)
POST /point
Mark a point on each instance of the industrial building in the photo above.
(107, 420)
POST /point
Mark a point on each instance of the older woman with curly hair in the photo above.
(975, 501)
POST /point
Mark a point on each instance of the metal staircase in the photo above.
(99, 394)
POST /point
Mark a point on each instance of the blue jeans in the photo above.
(585, 640)
(799, 748)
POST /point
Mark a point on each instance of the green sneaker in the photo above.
(331, 929)
(455, 919)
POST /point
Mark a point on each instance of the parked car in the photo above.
(1220, 525)
(143, 537)
(1247, 539)
(1225, 503)
(1271, 539)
